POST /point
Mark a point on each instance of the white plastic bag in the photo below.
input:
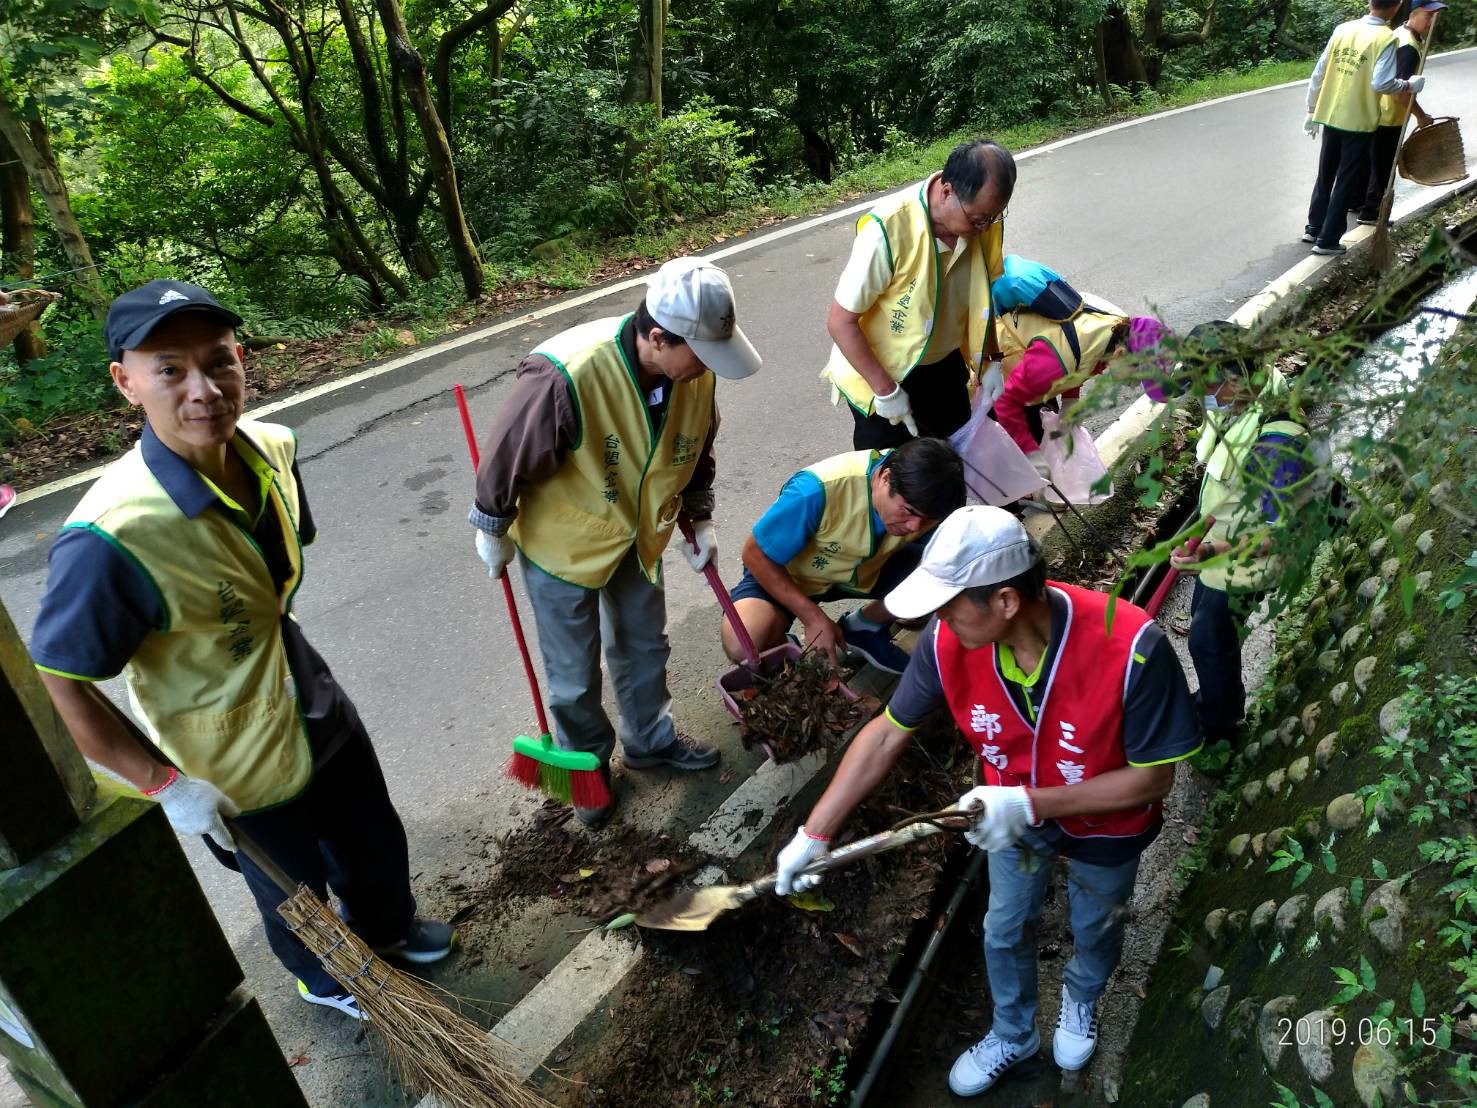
(995, 470)
(1073, 461)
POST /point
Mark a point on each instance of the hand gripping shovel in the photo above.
(696, 909)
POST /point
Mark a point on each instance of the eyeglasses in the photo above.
(978, 223)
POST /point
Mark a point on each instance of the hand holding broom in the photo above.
(568, 776)
(1381, 250)
(435, 1051)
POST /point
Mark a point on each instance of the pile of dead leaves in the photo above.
(802, 707)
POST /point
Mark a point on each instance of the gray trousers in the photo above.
(630, 616)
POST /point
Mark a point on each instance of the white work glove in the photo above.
(495, 550)
(196, 807)
(992, 384)
(704, 546)
(1416, 83)
(895, 407)
(802, 851)
(1007, 814)
(1310, 126)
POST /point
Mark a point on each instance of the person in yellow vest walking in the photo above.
(1357, 65)
(606, 437)
(1258, 462)
(911, 318)
(179, 568)
(1077, 725)
(1410, 37)
(844, 527)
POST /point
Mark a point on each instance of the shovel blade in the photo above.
(691, 909)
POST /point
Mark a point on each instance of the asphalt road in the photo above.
(1187, 214)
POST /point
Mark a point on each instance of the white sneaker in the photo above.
(344, 1002)
(1076, 1033)
(981, 1065)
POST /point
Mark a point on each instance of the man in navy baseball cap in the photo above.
(134, 314)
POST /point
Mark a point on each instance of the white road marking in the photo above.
(603, 291)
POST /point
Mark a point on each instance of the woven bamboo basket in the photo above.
(1433, 155)
(25, 305)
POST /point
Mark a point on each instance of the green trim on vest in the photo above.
(623, 483)
(579, 415)
(850, 551)
(213, 685)
(131, 559)
(899, 325)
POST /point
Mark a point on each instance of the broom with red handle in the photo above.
(568, 776)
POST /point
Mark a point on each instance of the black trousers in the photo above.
(1342, 178)
(1381, 160)
(1217, 626)
(342, 834)
(939, 394)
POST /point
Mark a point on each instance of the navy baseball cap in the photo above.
(1427, 6)
(134, 314)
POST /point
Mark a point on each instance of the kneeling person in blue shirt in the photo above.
(178, 569)
(844, 528)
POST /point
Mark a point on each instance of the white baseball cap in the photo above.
(693, 299)
(976, 545)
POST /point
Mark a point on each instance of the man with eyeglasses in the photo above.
(911, 319)
(842, 528)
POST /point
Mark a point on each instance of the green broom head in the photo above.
(568, 776)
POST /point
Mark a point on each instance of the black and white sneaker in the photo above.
(1076, 1033)
(982, 1065)
(1309, 237)
(344, 1002)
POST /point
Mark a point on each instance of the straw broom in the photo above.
(1381, 249)
(436, 1051)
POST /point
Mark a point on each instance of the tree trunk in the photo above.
(32, 145)
(17, 240)
(405, 58)
(1100, 69)
(1121, 57)
(644, 78)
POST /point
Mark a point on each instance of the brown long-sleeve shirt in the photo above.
(537, 426)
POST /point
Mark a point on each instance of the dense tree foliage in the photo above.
(318, 159)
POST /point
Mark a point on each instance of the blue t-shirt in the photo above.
(1160, 723)
(789, 524)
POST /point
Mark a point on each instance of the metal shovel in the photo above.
(696, 909)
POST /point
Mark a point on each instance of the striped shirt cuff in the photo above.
(493, 525)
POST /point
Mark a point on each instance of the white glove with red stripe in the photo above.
(1008, 812)
(804, 849)
(196, 807)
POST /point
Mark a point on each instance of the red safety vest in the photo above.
(1078, 733)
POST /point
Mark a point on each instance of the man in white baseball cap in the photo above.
(605, 438)
(1077, 726)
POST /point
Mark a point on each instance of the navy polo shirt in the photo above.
(99, 606)
(1160, 723)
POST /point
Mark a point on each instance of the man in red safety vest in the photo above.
(1078, 724)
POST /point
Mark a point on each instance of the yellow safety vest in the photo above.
(212, 683)
(1079, 343)
(1393, 111)
(845, 552)
(1345, 99)
(1223, 492)
(899, 325)
(623, 481)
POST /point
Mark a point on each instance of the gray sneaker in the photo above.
(429, 941)
(685, 752)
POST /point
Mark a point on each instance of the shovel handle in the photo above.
(715, 582)
(851, 852)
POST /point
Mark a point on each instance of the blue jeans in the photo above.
(1096, 896)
